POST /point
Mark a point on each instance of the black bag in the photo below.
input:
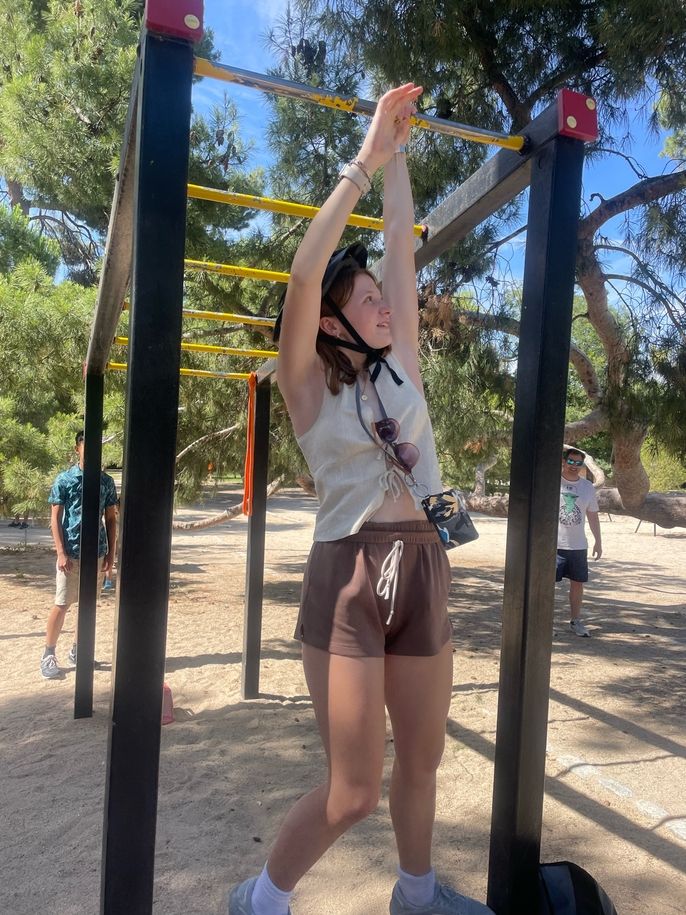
(567, 889)
(448, 514)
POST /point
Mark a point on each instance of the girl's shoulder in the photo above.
(304, 402)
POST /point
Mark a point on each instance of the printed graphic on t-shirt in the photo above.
(570, 513)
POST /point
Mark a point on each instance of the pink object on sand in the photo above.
(167, 704)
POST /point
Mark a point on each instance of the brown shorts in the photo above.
(341, 610)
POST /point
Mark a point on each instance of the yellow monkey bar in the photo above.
(353, 105)
(218, 350)
(197, 373)
(249, 201)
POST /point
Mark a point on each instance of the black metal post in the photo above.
(90, 529)
(162, 144)
(532, 527)
(254, 578)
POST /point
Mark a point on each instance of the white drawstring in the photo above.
(389, 482)
(387, 584)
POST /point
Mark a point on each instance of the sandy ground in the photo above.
(616, 773)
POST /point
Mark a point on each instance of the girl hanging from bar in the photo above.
(373, 619)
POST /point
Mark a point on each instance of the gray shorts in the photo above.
(342, 611)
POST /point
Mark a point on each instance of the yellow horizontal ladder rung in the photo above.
(197, 373)
(329, 99)
(218, 350)
(221, 316)
(250, 273)
(226, 316)
(249, 201)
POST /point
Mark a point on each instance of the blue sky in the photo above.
(239, 28)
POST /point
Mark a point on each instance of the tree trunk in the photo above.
(488, 505)
(305, 481)
(628, 473)
(16, 194)
(481, 471)
(668, 509)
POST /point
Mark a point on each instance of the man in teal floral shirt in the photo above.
(65, 523)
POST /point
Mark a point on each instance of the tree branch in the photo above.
(220, 433)
(668, 509)
(639, 194)
(675, 319)
(636, 168)
(595, 421)
(226, 515)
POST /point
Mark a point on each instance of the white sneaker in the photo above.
(579, 629)
(445, 902)
(240, 898)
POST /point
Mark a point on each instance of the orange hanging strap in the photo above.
(249, 471)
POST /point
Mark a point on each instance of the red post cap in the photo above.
(180, 18)
(577, 115)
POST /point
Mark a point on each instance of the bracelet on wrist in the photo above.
(360, 164)
(401, 149)
(355, 173)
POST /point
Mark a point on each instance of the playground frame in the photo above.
(145, 248)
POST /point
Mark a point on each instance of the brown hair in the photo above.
(337, 366)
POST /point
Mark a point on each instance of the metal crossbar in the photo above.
(249, 201)
(329, 99)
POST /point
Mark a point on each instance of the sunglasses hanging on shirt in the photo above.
(447, 510)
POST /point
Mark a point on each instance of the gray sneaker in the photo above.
(71, 657)
(49, 668)
(445, 902)
(240, 898)
(579, 629)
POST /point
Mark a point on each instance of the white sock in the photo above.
(268, 899)
(417, 890)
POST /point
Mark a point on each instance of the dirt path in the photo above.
(615, 796)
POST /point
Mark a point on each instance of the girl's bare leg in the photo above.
(418, 692)
(348, 699)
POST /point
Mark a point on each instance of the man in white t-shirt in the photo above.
(577, 501)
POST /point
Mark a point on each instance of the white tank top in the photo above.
(350, 471)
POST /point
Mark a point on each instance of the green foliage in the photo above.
(66, 76)
(43, 337)
(664, 469)
(24, 488)
(470, 393)
(668, 388)
(20, 240)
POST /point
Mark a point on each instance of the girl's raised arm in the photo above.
(399, 274)
(300, 324)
